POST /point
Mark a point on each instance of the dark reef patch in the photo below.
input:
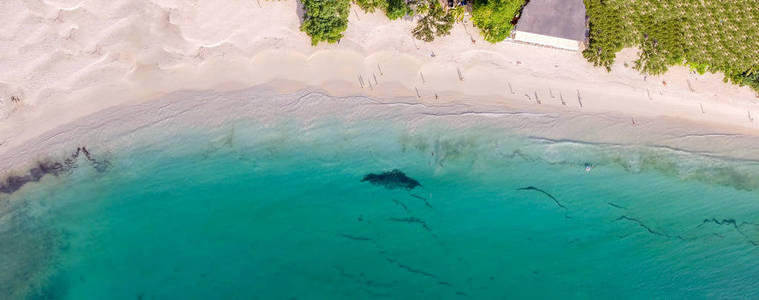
(412, 220)
(369, 286)
(418, 272)
(612, 204)
(355, 238)
(532, 188)
(394, 179)
(27, 257)
(648, 228)
(732, 223)
(399, 203)
(411, 269)
(14, 183)
(423, 199)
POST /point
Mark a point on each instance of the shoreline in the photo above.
(122, 127)
(181, 47)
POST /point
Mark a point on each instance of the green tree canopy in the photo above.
(397, 9)
(608, 34)
(325, 20)
(707, 35)
(434, 21)
(662, 46)
(371, 5)
(394, 9)
(493, 17)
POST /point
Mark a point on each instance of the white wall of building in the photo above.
(546, 40)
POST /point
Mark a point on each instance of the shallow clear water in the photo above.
(280, 212)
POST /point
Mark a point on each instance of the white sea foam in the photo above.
(556, 138)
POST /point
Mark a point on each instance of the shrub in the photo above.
(493, 17)
(371, 5)
(325, 20)
(397, 9)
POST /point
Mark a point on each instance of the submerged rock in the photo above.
(13, 183)
(392, 180)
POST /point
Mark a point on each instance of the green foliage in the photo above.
(608, 34)
(663, 45)
(397, 9)
(707, 35)
(325, 20)
(750, 78)
(493, 17)
(700, 68)
(752, 81)
(422, 9)
(393, 9)
(371, 5)
(434, 21)
(458, 13)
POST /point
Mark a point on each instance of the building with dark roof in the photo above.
(553, 23)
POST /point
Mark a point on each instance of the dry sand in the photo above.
(68, 59)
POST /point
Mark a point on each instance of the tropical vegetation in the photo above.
(707, 35)
(371, 5)
(434, 21)
(494, 17)
(397, 9)
(325, 20)
(393, 9)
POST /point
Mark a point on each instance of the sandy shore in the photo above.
(65, 60)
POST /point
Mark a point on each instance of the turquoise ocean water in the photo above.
(247, 211)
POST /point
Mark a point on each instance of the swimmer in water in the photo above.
(588, 167)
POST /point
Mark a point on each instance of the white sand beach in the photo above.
(64, 60)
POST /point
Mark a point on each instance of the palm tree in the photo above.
(434, 21)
